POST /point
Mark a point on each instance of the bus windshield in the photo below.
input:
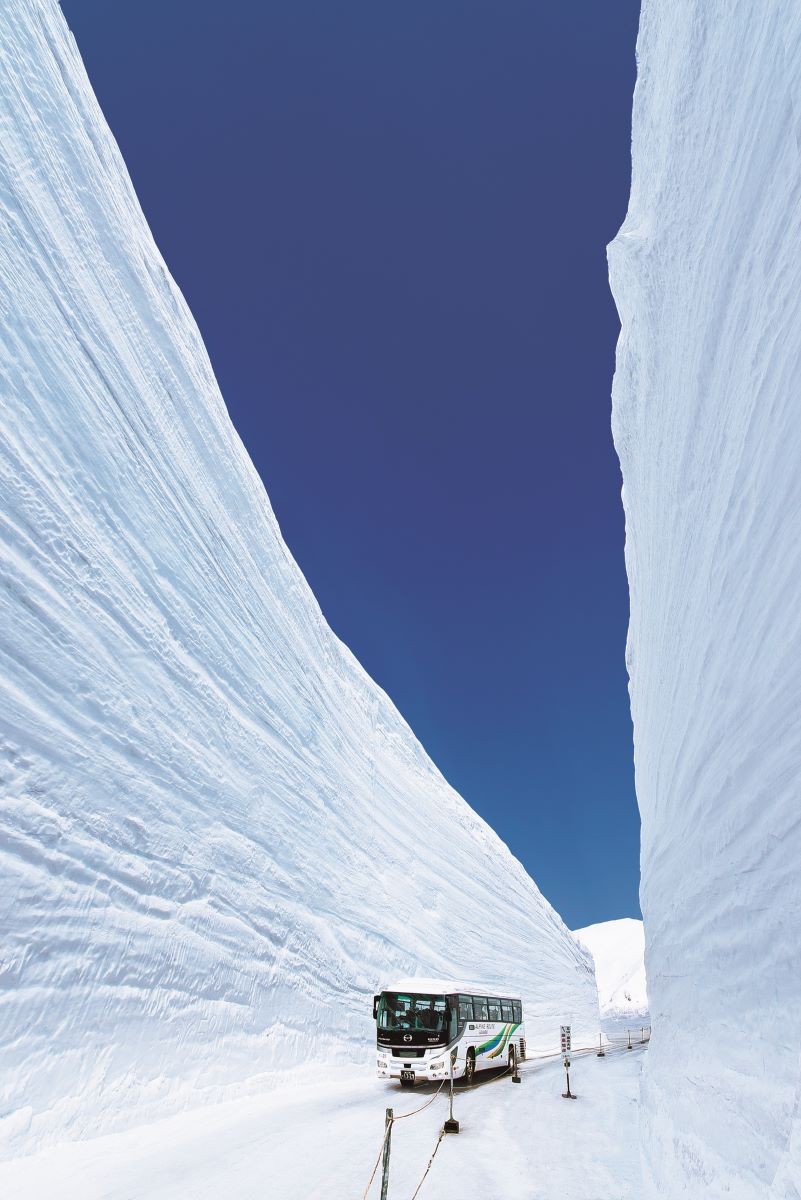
(396, 1011)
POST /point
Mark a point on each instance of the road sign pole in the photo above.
(565, 1040)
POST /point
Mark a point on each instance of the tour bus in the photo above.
(421, 1022)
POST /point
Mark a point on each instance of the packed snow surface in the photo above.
(219, 836)
(618, 949)
(320, 1140)
(706, 271)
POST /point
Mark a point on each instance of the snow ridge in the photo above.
(218, 833)
(707, 277)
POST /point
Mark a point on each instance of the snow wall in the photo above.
(706, 272)
(618, 951)
(218, 834)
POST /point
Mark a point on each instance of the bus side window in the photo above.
(507, 1012)
(466, 1008)
(518, 1009)
(480, 1008)
(494, 1010)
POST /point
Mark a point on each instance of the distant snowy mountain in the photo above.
(706, 272)
(218, 834)
(618, 949)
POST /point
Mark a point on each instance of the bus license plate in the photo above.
(407, 1076)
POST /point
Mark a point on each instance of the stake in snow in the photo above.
(421, 1022)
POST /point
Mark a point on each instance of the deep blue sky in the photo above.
(390, 223)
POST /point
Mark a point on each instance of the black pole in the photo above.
(451, 1125)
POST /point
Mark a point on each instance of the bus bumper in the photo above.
(433, 1071)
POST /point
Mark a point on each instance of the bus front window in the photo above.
(412, 1012)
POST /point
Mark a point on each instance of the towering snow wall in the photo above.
(706, 271)
(218, 835)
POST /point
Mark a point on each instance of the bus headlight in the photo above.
(382, 1063)
(438, 1065)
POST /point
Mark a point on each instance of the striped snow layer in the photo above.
(218, 834)
(706, 271)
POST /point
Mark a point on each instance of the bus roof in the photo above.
(445, 987)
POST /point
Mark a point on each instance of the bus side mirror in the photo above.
(375, 1007)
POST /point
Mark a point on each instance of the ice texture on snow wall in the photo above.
(706, 271)
(218, 834)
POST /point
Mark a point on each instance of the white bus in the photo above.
(420, 1022)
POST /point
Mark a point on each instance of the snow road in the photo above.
(320, 1140)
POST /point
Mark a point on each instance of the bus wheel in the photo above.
(470, 1068)
(512, 1059)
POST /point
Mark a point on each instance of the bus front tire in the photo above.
(512, 1060)
(470, 1068)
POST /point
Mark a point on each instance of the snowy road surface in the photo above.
(319, 1142)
